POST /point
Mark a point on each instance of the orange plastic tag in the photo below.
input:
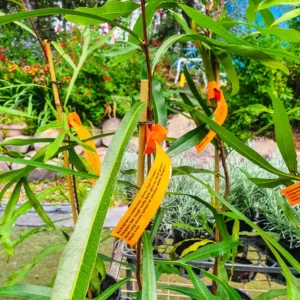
(147, 201)
(292, 193)
(154, 133)
(92, 158)
(220, 113)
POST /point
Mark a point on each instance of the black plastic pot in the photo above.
(242, 276)
(241, 293)
(108, 282)
(271, 261)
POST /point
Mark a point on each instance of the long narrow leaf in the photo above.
(36, 164)
(202, 290)
(240, 147)
(149, 278)
(61, 11)
(284, 134)
(24, 270)
(82, 59)
(13, 200)
(159, 104)
(26, 291)
(107, 293)
(210, 250)
(188, 140)
(80, 254)
(287, 16)
(36, 204)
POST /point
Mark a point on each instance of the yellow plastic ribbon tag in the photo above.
(220, 113)
(292, 193)
(147, 201)
(83, 134)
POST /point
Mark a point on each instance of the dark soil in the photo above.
(105, 284)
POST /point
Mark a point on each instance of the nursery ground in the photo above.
(44, 272)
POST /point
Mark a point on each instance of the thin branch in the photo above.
(145, 46)
(35, 31)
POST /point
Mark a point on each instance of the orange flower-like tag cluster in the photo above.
(83, 134)
(220, 113)
(154, 134)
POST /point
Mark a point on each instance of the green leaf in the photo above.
(117, 51)
(156, 223)
(54, 146)
(159, 104)
(262, 55)
(35, 164)
(108, 292)
(80, 254)
(15, 112)
(151, 8)
(269, 3)
(219, 220)
(181, 20)
(232, 293)
(63, 53)
(7, 176)
(267, 16)
(287, 16)
(195, 92)
(269, 183)
(24, 270)
(266, 236)
(187, 101)
(60, 11)
(188, 169)
(82, 59)
(76, 161)
(23, 209)
(251, 12)
(226, 61)
(211, 250)
(36, 204)
(102, 41)
(272, 294)
(284, 134)
(288, 35)
(26, 291)
(187, 141)
(255, 108)
(240, 147)
(110, 10)
(288, 211)
(22, 25)
(190, 292)
(292, 287)
(200, 287)
(13, 200)
(205, 21)
(149, 278)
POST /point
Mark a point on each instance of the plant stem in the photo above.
(141, 170)
(145, 46)
(142, 141)
(35, 31)
(59, 110)
(217, 183)
(226, 173)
